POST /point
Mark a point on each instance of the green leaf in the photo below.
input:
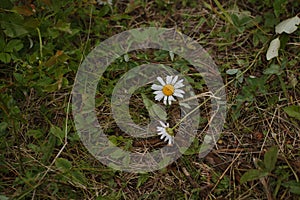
(293, 186)
(78, 176)
(154, 110)
(270, 158)
(293, 111)
(13, 30)
(2, 197)
(253, 174)
(6, 4)
(63, 164)
(63, 26)
(56, 131)
(273, 69)
(3, 126)
(142, 179)
(5, 57)
(2, 43)
(14, 45)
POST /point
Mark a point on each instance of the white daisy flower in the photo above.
(167, 89)
(166, 133)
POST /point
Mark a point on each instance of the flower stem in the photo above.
(186, 116)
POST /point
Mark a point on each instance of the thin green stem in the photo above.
(186, 116)
(41, 44)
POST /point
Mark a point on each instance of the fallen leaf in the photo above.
(273, 49)
(288, 26)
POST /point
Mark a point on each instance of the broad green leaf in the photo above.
(273, 69)
(273, 49)
(19, 78)
(13, 30)
(63, 164)
(154, 110)
(253, 174)
(288, 26)
(56, 131)
(5, 57)
(14, 45)
(270, 158)
(293, 111)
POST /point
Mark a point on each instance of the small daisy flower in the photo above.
(167, 89)
(166, 133)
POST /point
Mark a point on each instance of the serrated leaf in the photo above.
(63, 164)
(288, 26)
(253, 174)
(270, 158)
(154, 110)
(293, 111)
(273, 49)
(14, 45)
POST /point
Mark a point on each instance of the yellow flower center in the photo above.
(168, 90)
(169, 131)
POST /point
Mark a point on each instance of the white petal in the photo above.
(165, 100)
(162, 124)
(159, 96)
(179, 91)
(179, 84)
(289, 25)
(161, 81)
(171, 98)
(174, 80)
(169, 79)
(273, 49)
(178, 95)
(170, 141)
(156, 87)
(167, 138)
